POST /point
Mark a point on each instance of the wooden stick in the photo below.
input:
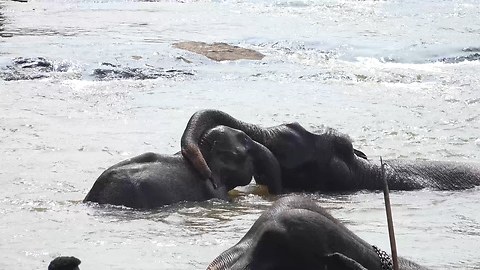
(388, 208)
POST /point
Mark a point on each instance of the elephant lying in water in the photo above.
(296, 233)
(326, 160)
(152, 180)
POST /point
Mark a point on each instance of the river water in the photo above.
(400, 77)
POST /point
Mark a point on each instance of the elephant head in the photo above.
(234, 158)
(308, 161)
(297, 233)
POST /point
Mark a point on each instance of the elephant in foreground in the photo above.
(326, 160)
(296, 233)
(152, 180)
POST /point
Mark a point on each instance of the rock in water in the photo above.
(219, 51)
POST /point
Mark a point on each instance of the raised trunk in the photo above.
(204, 120)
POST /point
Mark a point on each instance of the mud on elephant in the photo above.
(296, 233)
(152, 180)
(326, 160)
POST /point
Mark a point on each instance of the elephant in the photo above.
(151, 180)
(296, 233)
(64, 263)
(326, 160)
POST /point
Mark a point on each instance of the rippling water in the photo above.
(391, 74)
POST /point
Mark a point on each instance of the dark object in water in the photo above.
(39, 63)
(110, 71)
(32, 68)
(64, 263)
(458, 59)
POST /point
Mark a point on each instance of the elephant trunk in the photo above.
(204, 120)
(367, 175)
(231, 256)
(413, 175)
(267, 168)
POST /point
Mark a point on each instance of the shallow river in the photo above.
(391, 74)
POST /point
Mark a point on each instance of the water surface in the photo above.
(391, 74)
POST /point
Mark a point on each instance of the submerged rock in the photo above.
(110, 71)
(39, 68)
(32, 68)
(39, 63)
(219, 51)
(458, 59)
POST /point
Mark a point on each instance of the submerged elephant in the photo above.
(326, 160)
(152, 180)
(64, 263)
(296, 233)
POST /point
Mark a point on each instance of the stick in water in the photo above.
(391, 233)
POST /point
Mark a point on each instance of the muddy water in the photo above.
(386, 73)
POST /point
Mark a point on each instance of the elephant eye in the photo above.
(227, 156)
(242, 137)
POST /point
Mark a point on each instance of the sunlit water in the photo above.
(383, 72)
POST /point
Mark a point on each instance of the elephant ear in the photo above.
(359, 153)
(338, 261)
(266, 168)
(199, 123)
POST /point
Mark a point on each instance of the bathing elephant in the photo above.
(296, 233)
(152, 180)
(326, 160)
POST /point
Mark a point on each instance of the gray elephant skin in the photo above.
(152, 180)
(326, 160)
(296, 233)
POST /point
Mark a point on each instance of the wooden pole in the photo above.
(388, 208)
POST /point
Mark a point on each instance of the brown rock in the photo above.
(219, 51)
